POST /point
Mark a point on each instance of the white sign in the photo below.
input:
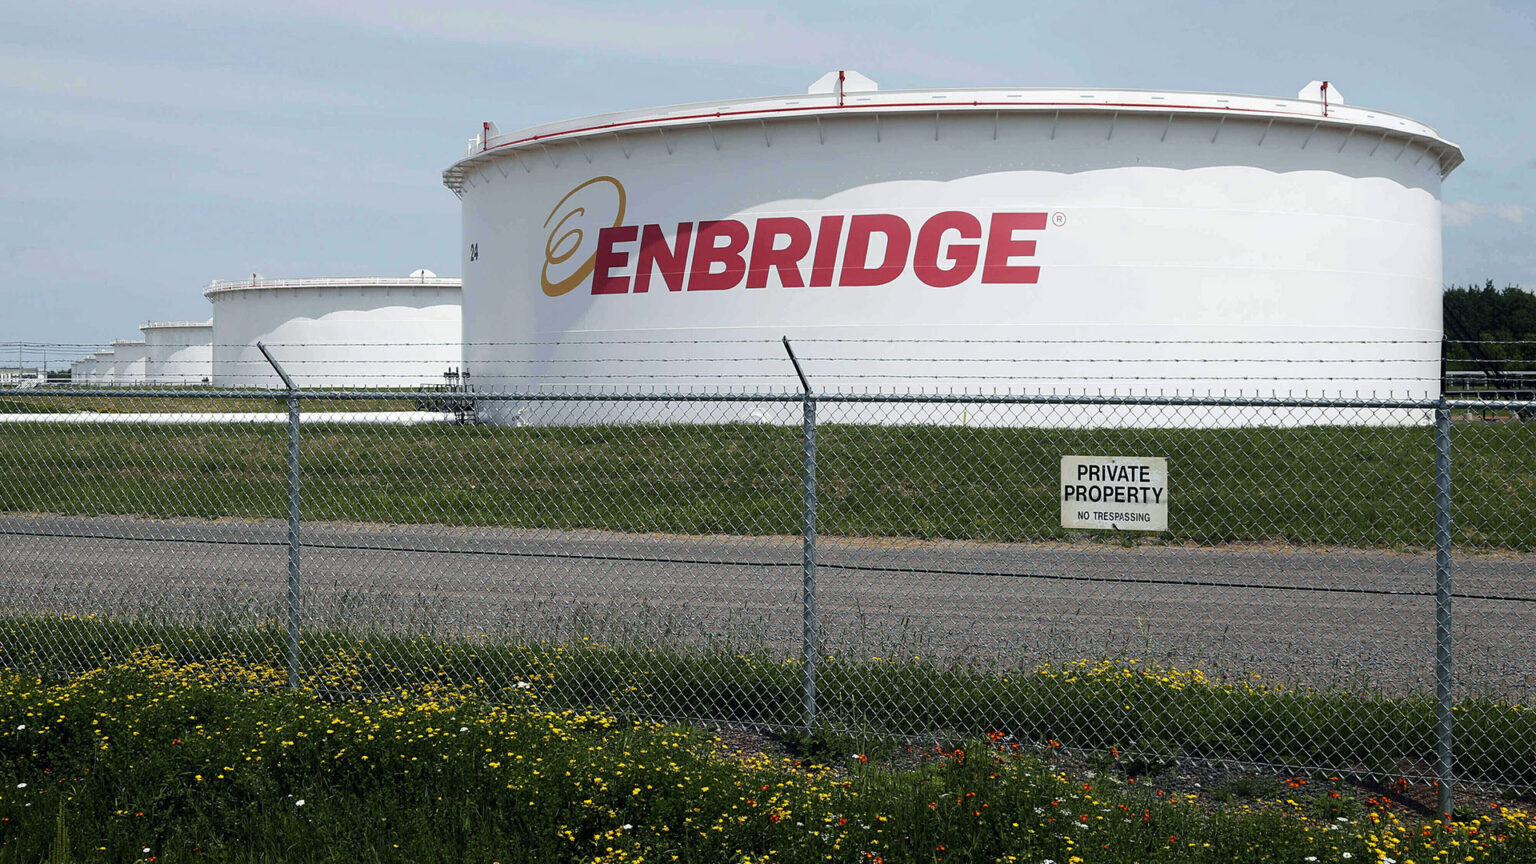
(1114, 493)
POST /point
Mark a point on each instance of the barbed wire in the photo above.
(1071, 365)
(578, 339)
(335, 361)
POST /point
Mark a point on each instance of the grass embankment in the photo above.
(1349, 486)
(1149, 715)
(155, 760)
(177, 401)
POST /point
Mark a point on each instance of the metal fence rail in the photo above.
(894, 564)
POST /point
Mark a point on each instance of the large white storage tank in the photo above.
(1037, 240)
(180, 352)
(348, 332)
(129, 359)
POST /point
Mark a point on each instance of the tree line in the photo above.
(1490, 315)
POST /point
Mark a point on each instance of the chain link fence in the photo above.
(1345, 585)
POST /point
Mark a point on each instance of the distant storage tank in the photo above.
(1039, 240)
(105, 369)
(129, 359)
(355, 332)
(180, 352)
(82, 370)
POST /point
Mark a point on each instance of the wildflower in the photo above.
(21, 785)
(626, 826)
(21, 727)
(299, 803)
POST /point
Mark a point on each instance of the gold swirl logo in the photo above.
(563, 270)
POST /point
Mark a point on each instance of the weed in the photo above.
(160, 759)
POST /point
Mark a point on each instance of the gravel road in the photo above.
(1292, 614)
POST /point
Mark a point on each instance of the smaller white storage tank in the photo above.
(106, 367)
(380, 332)
(180, 352)
(80, 371)
(129, 357)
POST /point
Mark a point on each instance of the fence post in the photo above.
(295, 574)
(1445, 760)
(809, 629)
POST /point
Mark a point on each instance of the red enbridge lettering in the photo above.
(718, 255)
(1001, 246)
(608, 259)
(707, 253)
(827, 241)
(861, 228)
(925, 258)
(786, 260)
(654, 251)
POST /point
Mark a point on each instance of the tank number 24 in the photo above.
(474, 251)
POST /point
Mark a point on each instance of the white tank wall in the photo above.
(179, 353)
(402, 335)
(103, 373)
(1187, 233)
(82, 370)
(129, 360)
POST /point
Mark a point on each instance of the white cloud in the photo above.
(736, 33)
(1460, 214)
(702, 32)
(159, 83)
(1511, 212)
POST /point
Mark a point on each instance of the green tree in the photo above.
(1503, 319)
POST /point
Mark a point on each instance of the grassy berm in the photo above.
(1144, 711)
(153, 760)
(1341, 486)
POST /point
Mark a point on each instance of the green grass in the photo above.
(1152, 717)
(162, 761)
(1349, 486)
(177, 401)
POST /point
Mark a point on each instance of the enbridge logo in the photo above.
(588, 239)
(591, 200)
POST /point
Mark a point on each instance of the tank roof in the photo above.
(219, 286)
(1059, 100)
(167, 325)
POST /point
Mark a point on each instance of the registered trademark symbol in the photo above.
(1058, 219)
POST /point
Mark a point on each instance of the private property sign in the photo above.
(1114, 493)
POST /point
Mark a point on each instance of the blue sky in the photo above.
(148, 147)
